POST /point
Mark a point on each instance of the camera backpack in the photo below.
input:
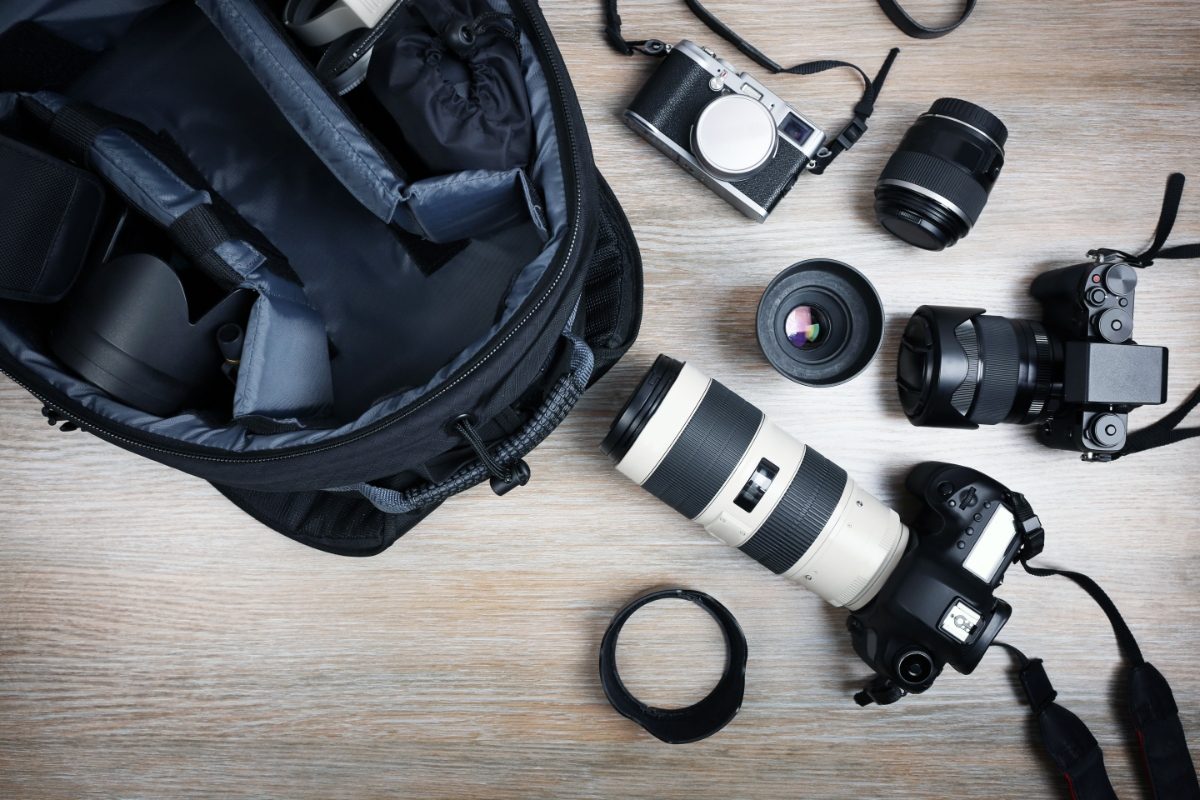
(411, 332)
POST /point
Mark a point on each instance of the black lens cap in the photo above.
(820, 322)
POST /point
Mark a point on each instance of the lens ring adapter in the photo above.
(698, 721)
(820, 322)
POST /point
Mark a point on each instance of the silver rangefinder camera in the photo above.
(733, 134)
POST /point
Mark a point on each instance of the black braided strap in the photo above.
(563, 397)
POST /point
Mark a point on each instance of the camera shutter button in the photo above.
(734, 137)
(1120, 279)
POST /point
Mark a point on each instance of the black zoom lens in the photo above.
(936, 184)
(960, 368)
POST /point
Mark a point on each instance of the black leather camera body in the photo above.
(726, 129)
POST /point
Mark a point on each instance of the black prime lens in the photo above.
(820, 322)
(961, 368)
(934, 187)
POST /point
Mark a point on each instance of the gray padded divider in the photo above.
(309, 108)
(459, 206)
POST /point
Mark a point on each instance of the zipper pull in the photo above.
(53, 418)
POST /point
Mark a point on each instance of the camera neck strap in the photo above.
(1166, 431)
(1151, 707)
(902, 20)
(863, 109)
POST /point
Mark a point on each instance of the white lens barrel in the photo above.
(812, 523)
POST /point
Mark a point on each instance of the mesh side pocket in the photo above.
(612, 291)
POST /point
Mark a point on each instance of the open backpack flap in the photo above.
(411, 330)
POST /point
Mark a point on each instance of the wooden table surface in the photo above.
(155, 642)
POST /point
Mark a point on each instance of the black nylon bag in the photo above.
(392, 300)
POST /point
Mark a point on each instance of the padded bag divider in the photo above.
(441, 209)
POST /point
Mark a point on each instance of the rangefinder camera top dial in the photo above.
(729, 131)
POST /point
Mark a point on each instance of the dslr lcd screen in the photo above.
(795, 129)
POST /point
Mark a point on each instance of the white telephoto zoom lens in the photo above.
(718, 460)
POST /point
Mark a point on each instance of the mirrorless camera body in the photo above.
(1077, 373)
(1105, 374)
(733, 134)
(939, 607)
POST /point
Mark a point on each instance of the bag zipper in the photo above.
(564, 121)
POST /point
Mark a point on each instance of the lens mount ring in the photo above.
(931, 195)
(697, 721)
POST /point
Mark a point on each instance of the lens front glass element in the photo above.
(806, 327)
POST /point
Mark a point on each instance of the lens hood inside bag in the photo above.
(134, 331)
(382, 280)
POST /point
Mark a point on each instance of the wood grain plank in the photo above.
(155, 642)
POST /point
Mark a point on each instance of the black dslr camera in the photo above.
(730, 132)
(1078, 372)
(938, 606)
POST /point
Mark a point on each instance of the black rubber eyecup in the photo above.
(696, 722)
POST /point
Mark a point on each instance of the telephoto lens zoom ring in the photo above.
(959, 191)
(1001, 358)
(975, 116)
(801, 514)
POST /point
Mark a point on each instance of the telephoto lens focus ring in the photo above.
(801, 514)
(977, 117)
(708, 449)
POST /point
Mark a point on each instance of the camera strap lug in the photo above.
(1029, 526)
(650, 47)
